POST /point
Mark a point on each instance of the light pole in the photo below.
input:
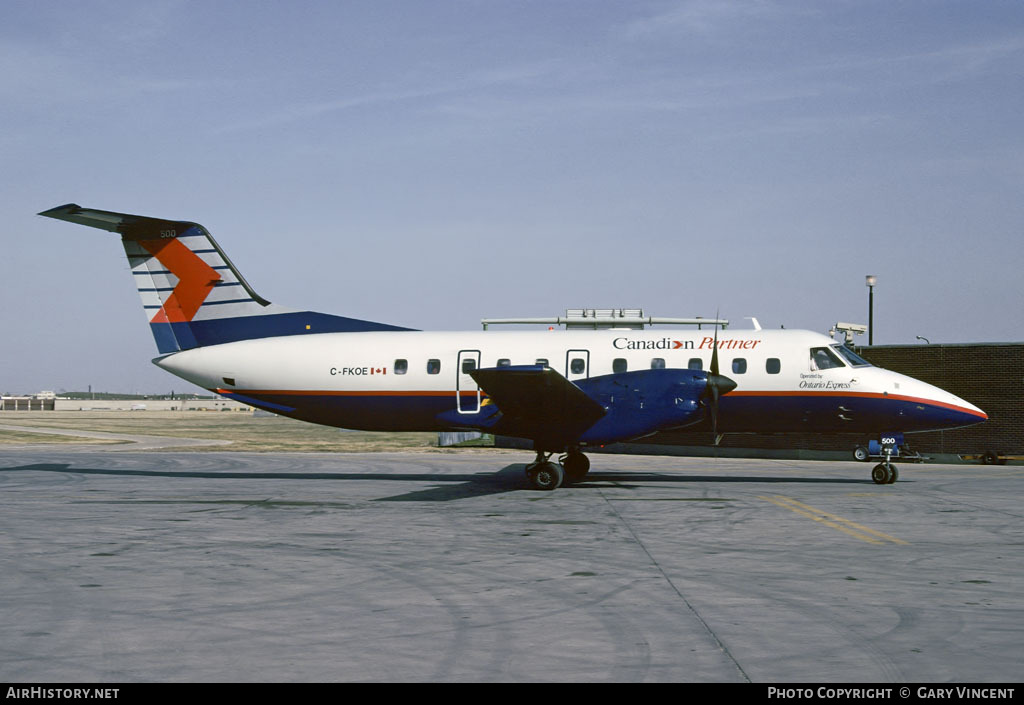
(870, 280)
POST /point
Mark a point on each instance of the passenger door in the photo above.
(467, 391)
(577, 365)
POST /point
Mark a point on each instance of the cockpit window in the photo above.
(851, 357)
(824, 359)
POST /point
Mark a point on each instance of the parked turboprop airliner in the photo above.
(563, 390)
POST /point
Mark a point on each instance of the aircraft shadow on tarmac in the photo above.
(511, 478)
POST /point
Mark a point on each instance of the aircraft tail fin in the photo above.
(192, 293)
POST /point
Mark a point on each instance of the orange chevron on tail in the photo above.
(196, 280)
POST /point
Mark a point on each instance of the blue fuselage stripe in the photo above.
(742, 414)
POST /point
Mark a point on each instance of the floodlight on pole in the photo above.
(870, 280)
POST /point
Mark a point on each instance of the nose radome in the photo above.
(964, 412)
(939, 409)
(971, 409)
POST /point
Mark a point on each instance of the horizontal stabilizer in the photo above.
(130, 227)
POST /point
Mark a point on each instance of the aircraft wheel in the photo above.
(880, 474)
(860, 453)
(545, 476)
(576, 466)
(894, 475)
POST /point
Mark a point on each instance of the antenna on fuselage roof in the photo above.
(607, 318)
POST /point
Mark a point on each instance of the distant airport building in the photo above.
(47, 401)
(217, 404)
(26, 403)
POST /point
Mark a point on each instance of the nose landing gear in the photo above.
(884, 474)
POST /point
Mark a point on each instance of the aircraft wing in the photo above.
(537, 402)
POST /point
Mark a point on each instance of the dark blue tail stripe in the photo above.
(172, 337)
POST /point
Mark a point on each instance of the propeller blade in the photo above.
(714, 415)
(717, 385)
(714, 350)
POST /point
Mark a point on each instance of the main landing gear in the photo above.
(547, 475)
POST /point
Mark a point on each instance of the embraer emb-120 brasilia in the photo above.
(562, 390)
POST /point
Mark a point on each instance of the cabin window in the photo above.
(824, 359)
(772, 365)
(695, 364)
(578, 366)
(401, 367)
(433, 367)
(619, 365)
(657, 363)
(504, 362)
(468, 366)
(543, 361)
(739, 365)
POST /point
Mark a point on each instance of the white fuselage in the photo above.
(401, 380)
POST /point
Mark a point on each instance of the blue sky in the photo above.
(433, 163)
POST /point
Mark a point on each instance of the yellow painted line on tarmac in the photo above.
(834, 521)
